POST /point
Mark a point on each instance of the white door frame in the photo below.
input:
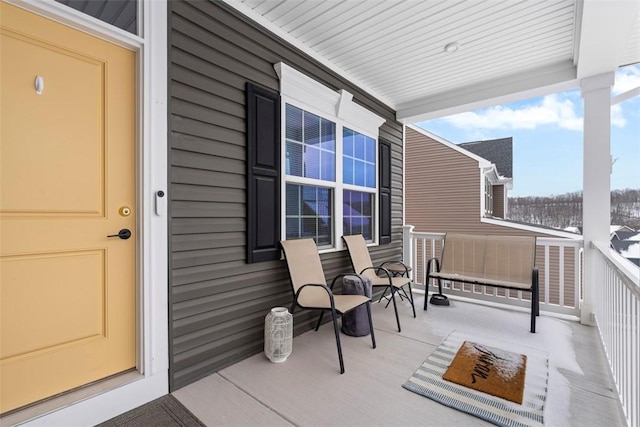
(152, 219)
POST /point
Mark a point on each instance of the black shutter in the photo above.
(263, 174)
(384, 191)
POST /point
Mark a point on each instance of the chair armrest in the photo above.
(431, 261)
(325, 287)
(341, 276)
(377, 270)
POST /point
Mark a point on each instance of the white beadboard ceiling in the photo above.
(509, 49)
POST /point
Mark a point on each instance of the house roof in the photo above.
(628, 235)
(508, 51)
(630, 249)
(497, 151)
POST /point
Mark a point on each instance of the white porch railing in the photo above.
(617, 311)
(558, 261)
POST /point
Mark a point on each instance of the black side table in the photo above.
(397, 269)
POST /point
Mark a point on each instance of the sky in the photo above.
(547, 137)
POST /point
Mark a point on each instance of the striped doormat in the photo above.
(427, 381)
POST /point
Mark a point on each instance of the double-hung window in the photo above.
(330, 163)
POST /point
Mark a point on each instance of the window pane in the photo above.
(357, 217)
(313, 213)
(312, 162)
(370, 176)
(347, 136)
(328, 135)
(358, 173)
(328, 161)
(293, 159)
(370, 150)
(359, 146)
(293, 196)
(294, 123)
(311, 129)
(293, 228)
(347, 170)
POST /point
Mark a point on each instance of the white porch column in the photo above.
(596, 204)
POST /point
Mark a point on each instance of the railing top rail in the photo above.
(427, 235)
(557, 241)
(560, 241)
(625, 268)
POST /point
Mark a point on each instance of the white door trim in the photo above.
(152, 255)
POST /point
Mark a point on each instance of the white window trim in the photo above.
(151, 264)
(303, 92)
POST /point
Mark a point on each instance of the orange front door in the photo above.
(67, 177)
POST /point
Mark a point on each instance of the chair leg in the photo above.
(395, 307)
(337, 331)
(319, 321)
(413, 307)
(373, 335)
(426, 295)
(533, 312)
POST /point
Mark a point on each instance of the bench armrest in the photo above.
(431, 261)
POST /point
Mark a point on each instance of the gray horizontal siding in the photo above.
(218, 302)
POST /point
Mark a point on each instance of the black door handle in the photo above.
(124, 234)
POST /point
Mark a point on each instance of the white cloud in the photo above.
(627, 78)
(551, 110)
(617, 117)
(561, 110)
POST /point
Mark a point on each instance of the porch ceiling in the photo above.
(508, 49)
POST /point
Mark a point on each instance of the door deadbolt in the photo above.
(125, 211)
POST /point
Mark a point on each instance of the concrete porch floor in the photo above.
(308, 390)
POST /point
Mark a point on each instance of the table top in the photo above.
(396, 267)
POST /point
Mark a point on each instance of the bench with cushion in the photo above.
(499, 261)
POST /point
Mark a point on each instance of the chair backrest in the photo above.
(359, 254)
(305, 267)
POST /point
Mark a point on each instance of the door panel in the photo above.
(67, 165)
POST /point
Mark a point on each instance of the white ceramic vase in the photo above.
(278, 334)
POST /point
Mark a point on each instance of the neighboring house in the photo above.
(621, 232)
(450, 181)
(498, 179)
(627, 243)
(155, 153)
(630, 249)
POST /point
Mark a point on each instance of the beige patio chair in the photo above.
(310, 290)
(380, 276)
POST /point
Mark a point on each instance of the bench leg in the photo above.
(535, 300)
